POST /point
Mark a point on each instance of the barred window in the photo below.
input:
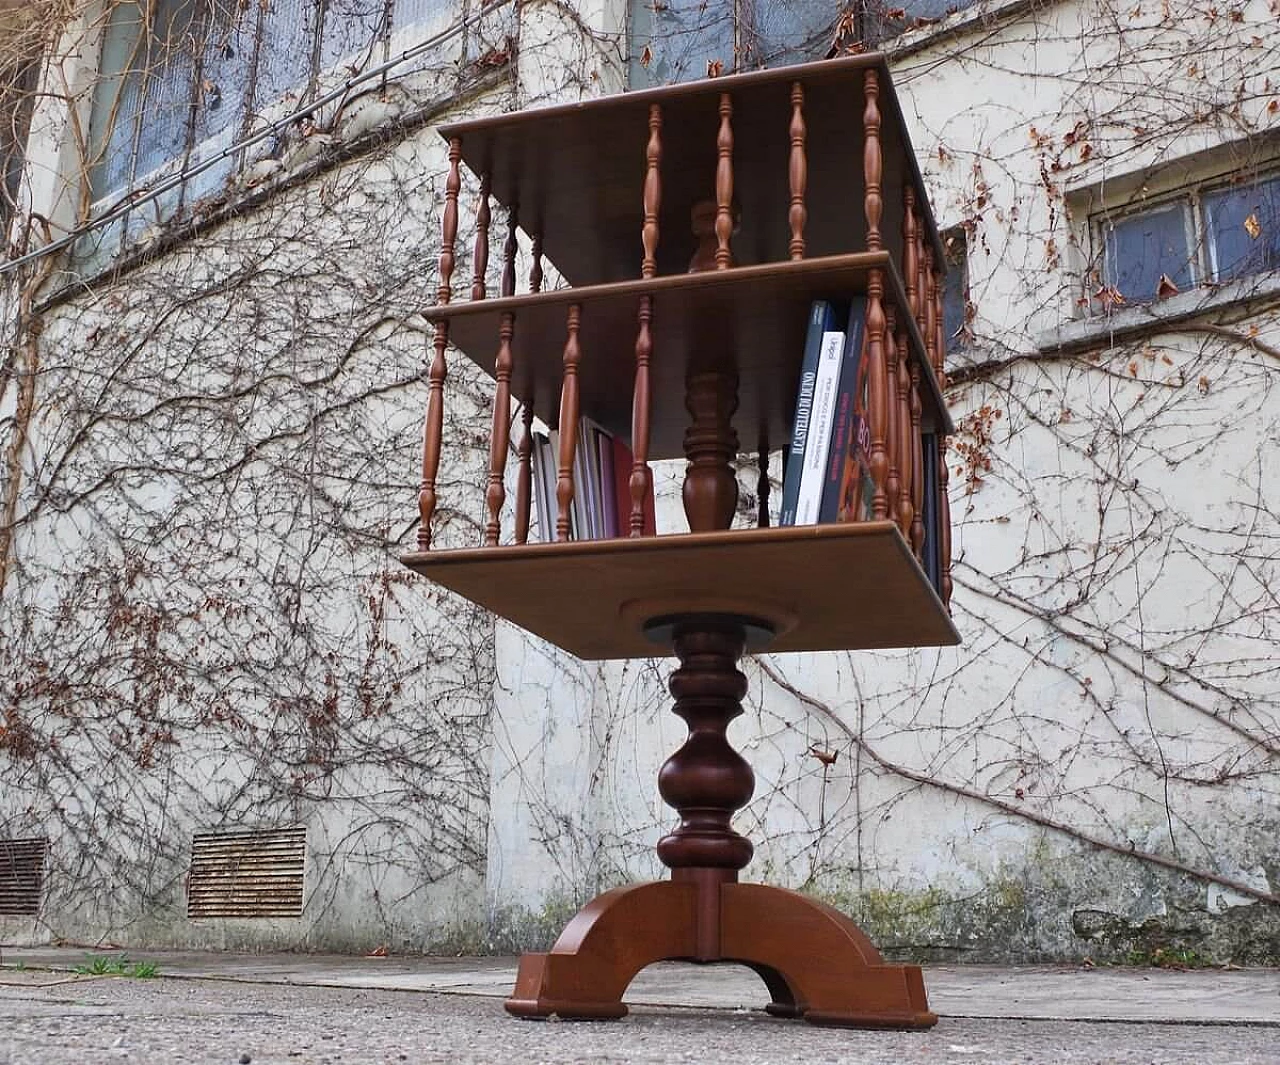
(1206, 235)
(179, 76)
(679, 40)
(17, 94)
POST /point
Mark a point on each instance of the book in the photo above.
(622, 462)
(586, 485)
(857, 489)
(608, 482)
(821, 419)
(931, 549)
(540, 445)
(821, 318)
(601, 505)
(851, 403)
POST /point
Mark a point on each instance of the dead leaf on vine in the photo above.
(1108, 295)
(1203, 385)
(646, 57)
(1252, 227)
(715, 68)
(1133, 369)
(1273, 106)
(1166, 288)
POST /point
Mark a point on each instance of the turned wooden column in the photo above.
(706, 781)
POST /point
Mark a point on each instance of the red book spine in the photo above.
(622, 460)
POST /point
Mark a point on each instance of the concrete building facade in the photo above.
(221, 230)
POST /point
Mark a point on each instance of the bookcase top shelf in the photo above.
(576, 171)
(823, 587)
(749, 318)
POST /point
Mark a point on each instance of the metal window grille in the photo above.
(22, 863)
(179, 78)
(253, 873)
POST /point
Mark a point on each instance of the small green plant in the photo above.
(104, 965)
(1169, 958)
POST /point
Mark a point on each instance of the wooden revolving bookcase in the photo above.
(770, 190)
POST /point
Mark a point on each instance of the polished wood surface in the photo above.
(751, 317)
(696, 224)
(828, 587)
(577, 169)
(433, 425)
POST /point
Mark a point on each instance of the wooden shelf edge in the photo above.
(738, 275)
(823, 587)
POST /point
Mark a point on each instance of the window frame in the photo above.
(1205, 269)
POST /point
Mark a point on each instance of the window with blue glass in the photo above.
(181, 78)
(1213, 234)
(679, 40)
(1243, 226)
(1143, 248)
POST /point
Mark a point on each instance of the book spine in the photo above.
(608, 483)
(848, 405)
(538, 469)
(813, 476)
(820, 317)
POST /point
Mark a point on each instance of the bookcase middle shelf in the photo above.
(751, 319)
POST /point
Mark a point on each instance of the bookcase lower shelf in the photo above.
(817, 587)
(708, 598)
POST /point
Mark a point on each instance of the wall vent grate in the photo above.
(21, 876)
(247, 874)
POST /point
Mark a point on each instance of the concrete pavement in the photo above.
(209, 1007)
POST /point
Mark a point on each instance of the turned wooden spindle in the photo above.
(762, 481)
(535, 271)
(798, 173)
(706, 780)
(480, 257)
(944, 521)
(509, 249)
(434, 426)
(710, 445)
(909, 268)
(872, 160)
(652, 194)
(917, 464)
(908, 435)
(724, 184)
(499, 436)
(893, 423)
(931, 311)
(878, 394)
(641, 476)
(524, 475)
(568, 425)
(939, 318)
(921, 283)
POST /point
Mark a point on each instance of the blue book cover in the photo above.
(850, 404)
(821, 319)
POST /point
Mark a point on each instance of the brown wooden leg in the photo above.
(830, 969)
(611, 939)
(815, 962)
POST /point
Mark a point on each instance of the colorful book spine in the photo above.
(850, 403)
(821, 420)
(622, 461)
(821, 319)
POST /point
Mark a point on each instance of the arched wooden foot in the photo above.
(830, 972)
(612, 938)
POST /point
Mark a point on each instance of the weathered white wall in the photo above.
(465, 784)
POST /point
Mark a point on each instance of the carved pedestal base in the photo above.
(815, 962)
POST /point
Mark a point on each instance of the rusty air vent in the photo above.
(247, 874)
(21, 876)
